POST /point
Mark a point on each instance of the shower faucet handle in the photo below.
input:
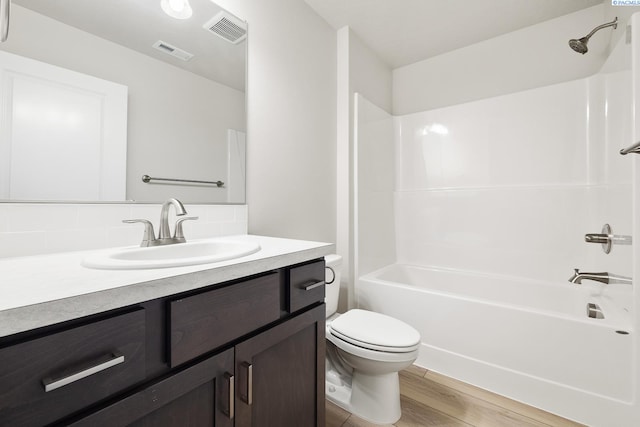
(606, 238)
(597, 238)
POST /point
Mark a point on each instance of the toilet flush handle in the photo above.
(333, 277)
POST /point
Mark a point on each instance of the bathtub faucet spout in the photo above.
(604, 277)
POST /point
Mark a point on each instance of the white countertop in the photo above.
(38, 291)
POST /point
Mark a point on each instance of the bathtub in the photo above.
(529, 340)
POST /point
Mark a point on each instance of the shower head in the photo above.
(580, 45)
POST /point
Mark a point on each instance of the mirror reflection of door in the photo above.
(63, 133)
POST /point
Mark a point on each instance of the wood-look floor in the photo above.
(433, 400)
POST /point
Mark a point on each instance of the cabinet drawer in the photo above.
(201, 395)
(305, 285)
(203, 322)
(47, 378)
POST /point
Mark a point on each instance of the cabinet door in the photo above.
(198, 396)
(280, 374)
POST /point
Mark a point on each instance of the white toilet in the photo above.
(365, 351)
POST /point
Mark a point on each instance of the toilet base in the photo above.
(374, 398)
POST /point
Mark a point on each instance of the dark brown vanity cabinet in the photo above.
(278, 374)
(232, 354)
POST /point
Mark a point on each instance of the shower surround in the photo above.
(511, 184)
(493, 198)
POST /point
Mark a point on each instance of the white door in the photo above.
(62, 133)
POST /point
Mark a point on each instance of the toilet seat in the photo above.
(373, 355)
(374, 331)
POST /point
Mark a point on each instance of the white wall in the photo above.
(532, 57)
(344, 171)
(180, 130)
(368, 74)
(291, 128)
(359, 70)
(374, 229)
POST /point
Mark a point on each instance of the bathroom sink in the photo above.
(177, 255)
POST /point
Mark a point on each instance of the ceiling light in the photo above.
(179, 9)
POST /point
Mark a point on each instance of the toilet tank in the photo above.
(332, 279)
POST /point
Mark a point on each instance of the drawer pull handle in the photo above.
(50, 384)
(312, 285)
(248, 398)
(232, 395)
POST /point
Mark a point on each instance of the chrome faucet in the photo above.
(164, 234)
(603, 277)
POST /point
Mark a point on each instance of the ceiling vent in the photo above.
(228, 27)
(172, 50)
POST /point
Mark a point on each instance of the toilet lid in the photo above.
(375, 331)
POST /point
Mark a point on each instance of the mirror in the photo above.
(174, 103)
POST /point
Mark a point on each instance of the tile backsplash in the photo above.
(41, 228)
